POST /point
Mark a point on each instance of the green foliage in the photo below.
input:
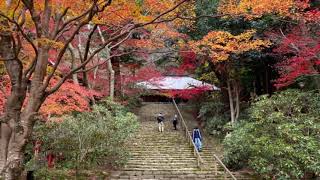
(132, 102)
(91, 138)
(309, 82)
(204, 25)
(48, 174)
(214, 116)
(281, 137)
(54, 174)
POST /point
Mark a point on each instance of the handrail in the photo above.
(196, 153)
(188, 136)
(226, 170)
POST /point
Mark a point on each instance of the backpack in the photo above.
(160, 119)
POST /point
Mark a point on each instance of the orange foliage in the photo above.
(165, 30)
(152, 8)
(257, 8)
(114, 18)
(147, 44)
(120, 12)
(155, 39)
(219, 45)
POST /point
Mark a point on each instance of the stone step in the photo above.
(162, 152)
(178, 147)
(168, 175)
(168, 163)
(162, 168)
(146, 172)
(163, 163)
(151, 140)
(188, 169)
(172, 177)
(167, 158)
(161, 160)
(167, 155)
(147, 144)
(156, 148)
(156, 157)
(170, 167)
(159, 146)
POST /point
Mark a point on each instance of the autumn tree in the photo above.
(30, 31)
(301, 49)
(296, 39)
(219, 47)
(238, 16)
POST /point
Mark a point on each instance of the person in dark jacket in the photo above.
(160, 119)
(175, 122)
(197, 138)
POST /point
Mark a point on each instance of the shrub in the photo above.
(213, 116)
(281, 137)
(89, 139)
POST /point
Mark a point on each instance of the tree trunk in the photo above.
(112, 80)
(12, 146)
(234, 100)
(17, 125)
(10, 124)
(73, 61)
(110, 68)
(267, 80)
(4, 143)
(85, 82)
(118, 85)
(232, 110)
(258, 84)
(237, 100)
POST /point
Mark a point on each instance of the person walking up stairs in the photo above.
(160, 119)
(162, 156)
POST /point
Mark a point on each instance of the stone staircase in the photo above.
(212, 165)
(166, 155)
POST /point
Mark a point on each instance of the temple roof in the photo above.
(175, 83)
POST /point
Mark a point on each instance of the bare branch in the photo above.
(60, 17)
(75, 19)
(87, 48)
(124, 32)
(28, 72)
(66, 29)
(120, 42)
(61, 53)
(22, 32)
(105, 61)
(35, 17)
(86, 61)
(292, 44)
(163, 14)
(15, 9)
(46, 18)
